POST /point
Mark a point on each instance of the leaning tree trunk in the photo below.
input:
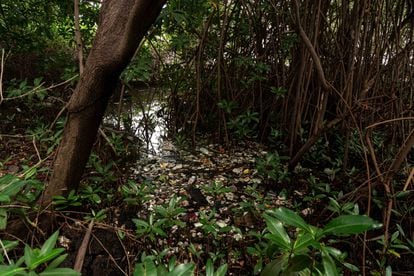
(122, 25)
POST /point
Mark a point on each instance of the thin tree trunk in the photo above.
(123, 24)
(78, 36)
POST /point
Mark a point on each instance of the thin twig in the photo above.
(36, 165)
(101, 132)
(14, 135)
(57, 117)
(1, 75)
(5, 252)
(125, 252)
(80, 257)
(109, 255)
(37, 88)
(390, 121)
(35, 147)
(410, 177)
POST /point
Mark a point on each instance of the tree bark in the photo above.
(122, 25)
(78, 36)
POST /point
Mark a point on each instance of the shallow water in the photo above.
(143, 116)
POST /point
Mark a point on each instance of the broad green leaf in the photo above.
(30, 273)
(276, 240)
(147, 268)
(45, 258)
(160, 232)
(401, 230)
(5, 198)
(333, 203)
(161, 270)
(351, 267)
(258, 266)
(394, 236)
(20, 261)
(299, 263)
(10, 185)
(28, 255)
(209, 268)
(56, 262)
(350, 224)
(10, 270)
(274, 268)
(336, 253)
(171, 263)
(3, 218)
(401, 246)
(289, 217)
(183, 270)
(222, 270)
(388, 271)
(29, 173)
(402, 194)
(49, 244)
(60, 271)
(276, 228)
(328, 264)
(140, 222)
(303, 241)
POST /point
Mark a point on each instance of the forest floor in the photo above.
(192, 204)
(204, 203)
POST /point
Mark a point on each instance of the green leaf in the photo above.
(336, 253)
(289, 217)
(299, 263)
(5, 198)
(140, 222)
(49, 244)
(171, 263)
(183, 270)
(328, 264)
(209, 268)
(333, 203)
(222, 270)
(276, 228)
(274, 268)
(388, 271)
(10, 270)
(60, 271)
(7, 245)
(161, 270)
(3, 218)
(28, 255)
(160, 232)
(56, 262)
(147, 268)
(351, 267)
(276, 240)
(29, 173)
(10, 185)
(350, 224)
(303, 241)
(45, 258)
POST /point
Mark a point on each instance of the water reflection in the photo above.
(142, 115)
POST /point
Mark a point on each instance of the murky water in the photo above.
(143, 116)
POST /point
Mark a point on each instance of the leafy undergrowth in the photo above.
(205, 212)
(213, 210)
